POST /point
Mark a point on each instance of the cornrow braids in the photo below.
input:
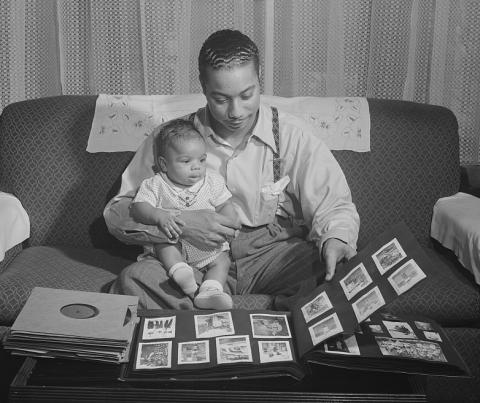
(227, 48)
(174, 132)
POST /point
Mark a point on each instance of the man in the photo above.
(294, 205)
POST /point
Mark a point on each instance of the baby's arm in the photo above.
(167, 221)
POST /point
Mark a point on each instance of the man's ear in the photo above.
(202, 83)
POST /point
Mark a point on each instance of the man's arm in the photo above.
(166, 220)
(326, 201)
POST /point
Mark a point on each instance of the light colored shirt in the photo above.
(317, 193)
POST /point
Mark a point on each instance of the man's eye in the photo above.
(247, 96)
(220, 100)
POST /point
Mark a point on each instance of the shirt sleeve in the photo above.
(149, 192)
(321, 188)
(220, 192)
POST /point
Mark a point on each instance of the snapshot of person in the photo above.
(296, 219)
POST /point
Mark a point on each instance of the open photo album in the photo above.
(343, 323)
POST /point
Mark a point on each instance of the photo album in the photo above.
(342, 323)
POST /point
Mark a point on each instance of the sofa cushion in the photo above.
(449, 297)
(84, 269)
(444, 389)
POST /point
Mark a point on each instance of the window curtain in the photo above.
(419, 50)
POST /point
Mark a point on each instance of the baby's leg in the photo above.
(171, 257)
(211, 294)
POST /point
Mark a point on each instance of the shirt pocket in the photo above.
(268, 204)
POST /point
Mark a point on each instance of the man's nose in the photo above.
(234, 111)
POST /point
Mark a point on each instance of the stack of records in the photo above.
(74, 324)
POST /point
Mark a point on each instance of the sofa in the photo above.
(414, 161)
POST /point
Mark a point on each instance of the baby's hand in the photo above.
(169, 223)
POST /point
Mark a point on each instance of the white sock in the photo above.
(211, 284)
(183, 275)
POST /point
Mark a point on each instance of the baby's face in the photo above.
(185, 162)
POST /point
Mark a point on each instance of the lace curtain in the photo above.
(419, 50)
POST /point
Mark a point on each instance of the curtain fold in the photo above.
(419, 50)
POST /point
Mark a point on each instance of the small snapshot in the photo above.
(418, 349)
(400, 330)
(368, 304)
(232, 349)
(355, 281)
(316, 307)
(406, 276)
(154, 355)
(159, 328)
(273, 351)
(213, 325)
(388, 256)
(271, 326)
(194, 352)
(324, 329)
(342, 345)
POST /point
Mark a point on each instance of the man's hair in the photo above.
(227, 48)
(174, 132)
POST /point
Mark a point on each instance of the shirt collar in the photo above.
(262, 130)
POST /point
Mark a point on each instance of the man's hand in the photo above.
(333, 252)
(206, 229)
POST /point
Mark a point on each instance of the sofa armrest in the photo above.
(14, 227)
(9, 256)
(470, 179)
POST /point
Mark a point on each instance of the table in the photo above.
(53, 380)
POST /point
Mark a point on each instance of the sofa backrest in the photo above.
(413, 162)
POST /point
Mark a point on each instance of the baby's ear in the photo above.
(161, 165)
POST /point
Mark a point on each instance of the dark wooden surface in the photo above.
(74, 381)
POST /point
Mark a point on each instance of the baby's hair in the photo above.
(174, 132)
(225, 49)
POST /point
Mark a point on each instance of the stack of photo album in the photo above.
(342, 323)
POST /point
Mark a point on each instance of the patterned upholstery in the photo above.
(9, 256)
(465, 390)
(45, 139)
(257, 301)
(450, 297)
(403, 176)
(84, 269)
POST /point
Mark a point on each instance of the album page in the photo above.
(385, 342)
(387, 267)
(209, 345)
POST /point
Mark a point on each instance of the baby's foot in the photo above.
(213, 298)
(183, 275)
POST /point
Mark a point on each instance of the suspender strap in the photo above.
(276, 137)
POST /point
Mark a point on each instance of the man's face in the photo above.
(233, 97)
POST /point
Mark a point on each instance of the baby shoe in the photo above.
(213, 298)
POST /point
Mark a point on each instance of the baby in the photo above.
(184, 183)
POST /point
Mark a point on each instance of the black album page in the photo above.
(389, 266)
(209, 345)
